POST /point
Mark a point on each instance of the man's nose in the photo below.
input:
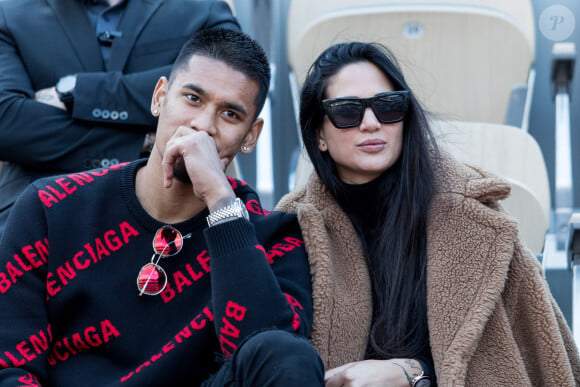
(204, 120)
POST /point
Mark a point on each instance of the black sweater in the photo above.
(75, 318)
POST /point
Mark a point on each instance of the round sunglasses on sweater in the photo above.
(348, 112)
(152, 279)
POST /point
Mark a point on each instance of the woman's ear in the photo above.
(322, 143)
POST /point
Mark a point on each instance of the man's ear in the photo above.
(159, 95)
(252, 136)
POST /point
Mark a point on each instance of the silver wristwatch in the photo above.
(237, 209)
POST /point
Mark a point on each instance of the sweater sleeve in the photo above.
(25, 336)
(258, 285)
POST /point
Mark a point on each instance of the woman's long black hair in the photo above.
(398, 260)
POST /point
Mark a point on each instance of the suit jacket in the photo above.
(492, 320)
(44, 40)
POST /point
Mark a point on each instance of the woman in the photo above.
(417, 270)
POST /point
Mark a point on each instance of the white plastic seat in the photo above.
(232, 5)
(513, 154)
(462, 58)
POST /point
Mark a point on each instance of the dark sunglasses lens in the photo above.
(389, 108)
(345, 114)
(167, 241)
(151, 280)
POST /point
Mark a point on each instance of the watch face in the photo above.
(66, 84)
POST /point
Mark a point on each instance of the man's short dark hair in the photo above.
(234, 48)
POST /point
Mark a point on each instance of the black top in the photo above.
(366, 205)
(70, 312)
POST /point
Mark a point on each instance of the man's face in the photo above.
(209, 96)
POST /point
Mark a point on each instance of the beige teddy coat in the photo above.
(492, 319)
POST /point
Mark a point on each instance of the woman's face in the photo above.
(364, 152)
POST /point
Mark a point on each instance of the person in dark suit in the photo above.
(77, 77)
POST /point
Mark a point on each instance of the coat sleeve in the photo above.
(131, 93)
(258, 285)
(38, 135)
(24, 332)
(46, 138)
(539, 328)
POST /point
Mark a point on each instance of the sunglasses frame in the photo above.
(366, 102)
(157, 256)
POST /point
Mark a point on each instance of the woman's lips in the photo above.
(372, 145)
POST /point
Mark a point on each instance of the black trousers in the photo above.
(271, 358)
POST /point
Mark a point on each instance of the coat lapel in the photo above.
(81, 35)
(136, 16)
(470, 247)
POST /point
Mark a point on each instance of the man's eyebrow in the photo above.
(195, 88)
(202, 92)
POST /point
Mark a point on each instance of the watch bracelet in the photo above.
(225, 213)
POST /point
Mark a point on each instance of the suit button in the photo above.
(123, 115)
(105, 114)
(96, 112)
(114, 115)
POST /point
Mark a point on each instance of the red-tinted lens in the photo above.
(167, 241)
(151, 279)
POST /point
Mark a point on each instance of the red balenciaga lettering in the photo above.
(66, 186)
(181, 279)
(294, 304)
(234, 182)
(185, 333)
(91, 337)
(253, 206)
(280, 249)
(35, 255)
(236, 312)
(92, 253)
(29, 380)
(27, 350)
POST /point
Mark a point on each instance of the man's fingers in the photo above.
(172, 153)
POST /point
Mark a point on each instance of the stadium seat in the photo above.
(232, 5)
(462, 58)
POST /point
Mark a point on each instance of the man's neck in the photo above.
(112, 3)
(169, 205)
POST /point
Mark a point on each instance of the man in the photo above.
(105, 275)
(77, 78)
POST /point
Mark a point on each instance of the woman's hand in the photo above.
(371, 373)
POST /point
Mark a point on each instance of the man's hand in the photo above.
(49, 97)
(196, 154)
(374, 373)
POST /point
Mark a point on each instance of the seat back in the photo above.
(513, 154)
(232, 5)
(462, 58)
(504, 150)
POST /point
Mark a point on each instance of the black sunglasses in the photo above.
(348, 112)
